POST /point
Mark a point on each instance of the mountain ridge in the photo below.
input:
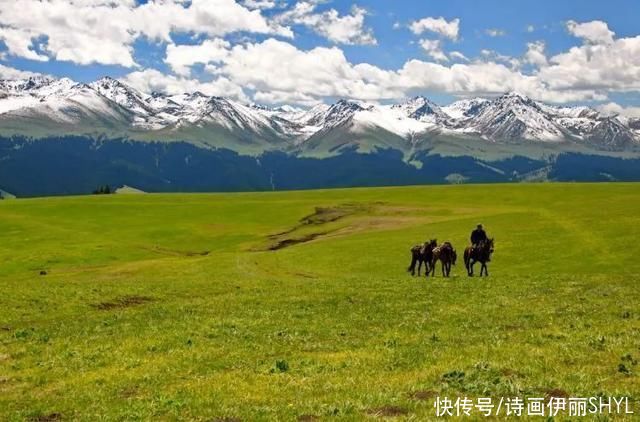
(43, 106)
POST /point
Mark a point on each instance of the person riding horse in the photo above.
(480, 251)
(478, 235)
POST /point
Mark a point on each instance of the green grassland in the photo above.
(288, 305)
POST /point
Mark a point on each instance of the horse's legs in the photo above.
(412, 266)
(471, 263)
(419, 266)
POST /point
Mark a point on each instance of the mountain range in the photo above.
(486, 133)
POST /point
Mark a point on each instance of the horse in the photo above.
(447, 256)
(421, 254)
(480, 253)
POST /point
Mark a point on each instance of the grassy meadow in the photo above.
(298, 306)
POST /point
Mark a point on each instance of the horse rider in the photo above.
(478, 235)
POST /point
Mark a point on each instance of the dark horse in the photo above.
(422, 254)
(447, 256)
(480, 253)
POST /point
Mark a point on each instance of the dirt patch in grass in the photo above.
(129, 392)
(423, 395)
(51, 417)
(556, 393)
(371, 216)
(388, 411)
(281, 244)
(123, 302)
(304, 275)
(174, 252)
(321, 216)
(508, 372)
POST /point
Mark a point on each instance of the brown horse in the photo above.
(480, 253)
(447, 256)
(422, 254)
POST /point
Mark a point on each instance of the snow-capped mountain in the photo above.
(420, 108)
(41, 106)
(513, 117)
(121, 94)
(44, 104)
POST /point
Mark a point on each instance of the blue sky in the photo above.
(304, 52)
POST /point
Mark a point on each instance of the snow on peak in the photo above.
(122, 94)
(463, 109)
(510, 117)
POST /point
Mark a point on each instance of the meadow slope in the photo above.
(262, 306)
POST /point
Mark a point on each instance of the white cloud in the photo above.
(606, 67)
(530, 28)
(492, 55)
(21, 43)
(7, 72)
(101, 31)
(535, 54)
(457, 55)
(440, 26)
(182, 57)
(260, 4)
(277, 71)
(495, 32)
(614, 109)
(282, 97)
(277, 66)
(594, 32)
(347, 29)
(480, 78)
(280, 72)
(434, 50)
